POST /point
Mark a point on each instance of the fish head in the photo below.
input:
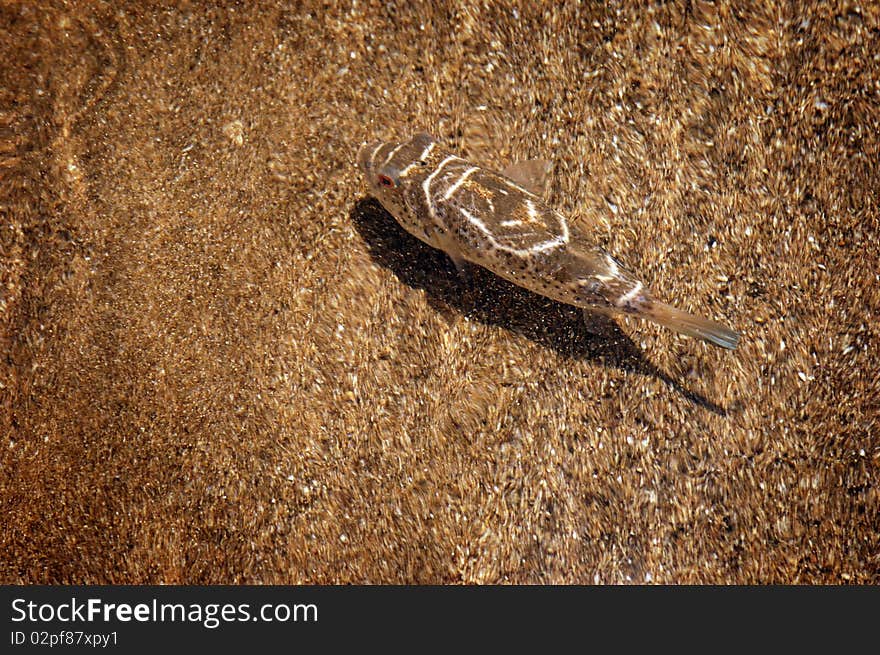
(393, 171)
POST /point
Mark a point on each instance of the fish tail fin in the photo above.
(689, 324)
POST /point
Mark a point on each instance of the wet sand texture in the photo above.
(222, 362)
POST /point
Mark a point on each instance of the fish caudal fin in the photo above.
(693, 326)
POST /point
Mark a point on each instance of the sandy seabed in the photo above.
(222, 362)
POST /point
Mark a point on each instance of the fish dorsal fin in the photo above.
(533, 175)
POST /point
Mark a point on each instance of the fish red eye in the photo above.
(386, 181)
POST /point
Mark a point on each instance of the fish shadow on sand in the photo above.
(495, 301)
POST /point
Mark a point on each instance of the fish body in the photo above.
(500, 222)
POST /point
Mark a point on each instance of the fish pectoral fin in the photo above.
(533, 175)
(423, 139)
(462, 266)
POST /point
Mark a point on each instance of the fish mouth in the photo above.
(365, 156)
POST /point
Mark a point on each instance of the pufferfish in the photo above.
(500, 222)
